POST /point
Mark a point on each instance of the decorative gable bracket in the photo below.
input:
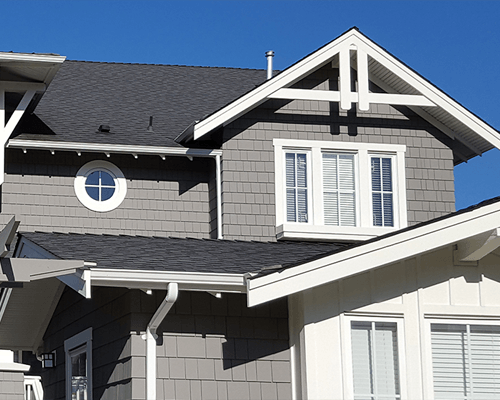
(469, 251)
(346, 53)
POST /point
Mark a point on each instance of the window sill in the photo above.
(329, 233)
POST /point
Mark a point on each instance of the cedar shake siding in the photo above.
(208, 348)
(164, 197)
(248, 160)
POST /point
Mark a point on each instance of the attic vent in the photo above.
(104, 128)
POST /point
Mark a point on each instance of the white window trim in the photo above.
(120, 186)
(427, 345)
(314, 228)
(83, 338)
(347, 350)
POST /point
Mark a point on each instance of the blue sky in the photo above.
(454, 44)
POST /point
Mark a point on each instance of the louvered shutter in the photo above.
(296, 187)
(375, 360)
(382, 191)
(339, 197)
(466, 361)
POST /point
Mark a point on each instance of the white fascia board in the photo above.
(140, 279)
(26, 57)
(261, 93)
(373, 255)
(110, 148)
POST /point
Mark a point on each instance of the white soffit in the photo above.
(444, 112)
(394, 248)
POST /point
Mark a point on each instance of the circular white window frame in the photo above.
(120, 186)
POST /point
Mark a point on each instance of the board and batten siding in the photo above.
(416, 292)
(164, 197)
(248, 182)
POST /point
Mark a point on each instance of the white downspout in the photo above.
(218, 183)
(151, 336)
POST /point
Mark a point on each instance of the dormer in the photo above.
(361, 145)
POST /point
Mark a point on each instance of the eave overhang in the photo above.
(403, 85)
(108, 149)
(472, 230)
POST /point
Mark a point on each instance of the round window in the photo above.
(100, 186)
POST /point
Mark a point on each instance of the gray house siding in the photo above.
(108, 313)
(11, 385)
(164, 198)
(248, 159)
(212, 348)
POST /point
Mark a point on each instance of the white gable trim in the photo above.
(375, 254)
(278, 87)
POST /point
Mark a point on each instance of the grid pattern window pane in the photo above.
(382, 191)
(339, 196)
(375, 360)
(296, 187)
(466, 361)
(100, 185)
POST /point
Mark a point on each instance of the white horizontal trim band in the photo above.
(140, 279)
(111, 148)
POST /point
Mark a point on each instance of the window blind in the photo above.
(296, 187)
(382, 192)
(375, 360)
(339, 202)
(466, 361)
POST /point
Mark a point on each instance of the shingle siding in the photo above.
(248, 159)
(164, 198)
(217, 348)
(11, 385)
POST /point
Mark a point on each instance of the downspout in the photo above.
(219, 196)
(151, 336)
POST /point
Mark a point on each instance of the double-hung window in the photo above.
(376, 358)
(78, 358)
(465, 361)
(338, 190)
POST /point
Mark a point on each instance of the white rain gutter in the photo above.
(151, 336)
(108, 149)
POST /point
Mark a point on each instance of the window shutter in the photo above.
(296, 187)
(375, 360)
(339, 202)
(466, 361)
(382, 191)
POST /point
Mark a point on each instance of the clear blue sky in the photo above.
(454, 44)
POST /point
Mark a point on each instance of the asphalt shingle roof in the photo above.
(85, 95)
(176, 254)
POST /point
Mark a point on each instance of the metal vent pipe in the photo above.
(269, 56)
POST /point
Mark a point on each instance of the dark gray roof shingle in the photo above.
(85, 95)
(176, 254)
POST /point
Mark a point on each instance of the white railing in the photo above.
(33, 389)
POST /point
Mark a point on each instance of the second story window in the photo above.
(338, 190)
(100, 186)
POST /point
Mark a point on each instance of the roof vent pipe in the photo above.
(150, 127)
(269, 56)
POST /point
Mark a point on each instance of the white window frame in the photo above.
(82, 339)
(427, 346)
(347, 350)
(315, 227)
(120, 186)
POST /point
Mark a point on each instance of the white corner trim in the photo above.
(373, 255)
(120, 186)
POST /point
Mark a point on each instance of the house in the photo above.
(207, 233)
